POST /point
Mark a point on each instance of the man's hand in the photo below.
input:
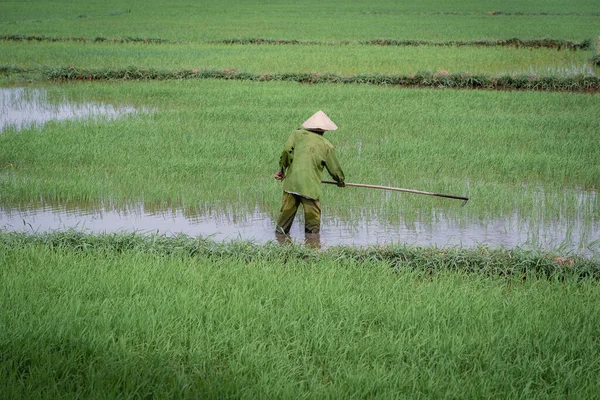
(341, 184)
(279, 175)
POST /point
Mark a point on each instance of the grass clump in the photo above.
(96, 39)
(576, 83)
(547, 43)
(508, 263)
(558, 44)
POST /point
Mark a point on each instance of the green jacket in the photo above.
(305, 155)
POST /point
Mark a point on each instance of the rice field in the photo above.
(201, 98)
(306, 20)
(340, 59)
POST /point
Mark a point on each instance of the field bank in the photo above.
(340, 59)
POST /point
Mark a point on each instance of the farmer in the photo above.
(305, 155)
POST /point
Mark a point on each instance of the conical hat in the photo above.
(319, 121)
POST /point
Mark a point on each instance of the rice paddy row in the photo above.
(442, 79)
(354, 59)
(494, 12)
(512, 42)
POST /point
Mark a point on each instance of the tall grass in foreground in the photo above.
(113, 321)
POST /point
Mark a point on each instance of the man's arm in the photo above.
(334, 168)
(287, 155)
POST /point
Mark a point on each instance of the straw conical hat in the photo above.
(319, 121)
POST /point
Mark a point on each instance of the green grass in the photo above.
(218, 142)
(306, 20)
(350, 59)
(562, 80)
(117, 322)
(558, 44)
(131, 316)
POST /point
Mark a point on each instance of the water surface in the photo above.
(569, 236)
(22, 108)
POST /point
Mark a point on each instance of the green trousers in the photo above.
(289, 207)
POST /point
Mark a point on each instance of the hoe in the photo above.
(449, 196)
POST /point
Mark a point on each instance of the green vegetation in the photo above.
(336, 20)
(127, 316)
(514, 42)
(220, 85)
(349, 59)
(335, 38)
(442, 79)
(508, 151)
(511, 264)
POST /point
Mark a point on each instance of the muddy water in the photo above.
(572, 236)
(21, 108)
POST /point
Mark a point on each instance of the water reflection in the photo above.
(21, 108)
(570, 235)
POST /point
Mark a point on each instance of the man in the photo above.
(305, 155)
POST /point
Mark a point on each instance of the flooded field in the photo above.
(556, 218)
(573, 236)
(21, 108)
